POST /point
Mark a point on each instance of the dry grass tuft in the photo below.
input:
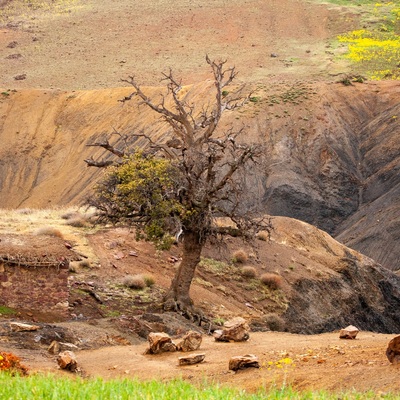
(136, 282)
(240, 256)
(273, 281)
(274, 322)
(249, 271)
(263, 235)
(48, 231)
(149, 280)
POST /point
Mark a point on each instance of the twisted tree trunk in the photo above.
(178, 297)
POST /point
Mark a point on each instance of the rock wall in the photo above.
(42, 288)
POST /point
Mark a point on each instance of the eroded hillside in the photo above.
(332, 151)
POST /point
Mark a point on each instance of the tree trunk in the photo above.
(178, 297)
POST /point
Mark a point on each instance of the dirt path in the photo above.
(93, 44)
(320, 362)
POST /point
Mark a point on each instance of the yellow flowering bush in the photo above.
(377, 52)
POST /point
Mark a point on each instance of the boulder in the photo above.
(393, 350)
(20, 327)
(348, 333)
(57, 347)
(67, 360)
(190, 342)
(159, 343)
(242, 362)
(235, 330)
(191, 359)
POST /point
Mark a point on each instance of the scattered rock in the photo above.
(20, 327)
(274, 55)
(349, 333)
(12, 44)
(191, 359)
(159, 343)
(67, 360)
(14, 56)
(190, 342)
(242, 362)
(20, 77)
(235, 330)
(393, 350)
(57, 347)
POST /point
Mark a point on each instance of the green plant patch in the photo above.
(4, 310)
(48, 387)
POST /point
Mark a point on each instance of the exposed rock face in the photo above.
(336, 167)
(361, 291)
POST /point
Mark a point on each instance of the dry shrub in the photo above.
(24, 211)
(249, 272)
(70, 215)
(77, 222)
(274, 322)
(263, 235)
(84, 264)
(273, 281)
(240, 256)
(134, 282)
(49, 231)
(11, 363)
(149, 280)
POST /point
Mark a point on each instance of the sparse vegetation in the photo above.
(4, 310)
(273, 281)
(11, 363)
(263, 235)
(240, 256)
(49, 231)
(274, 322)
(149, 280)
(249, 271)
(136, 282)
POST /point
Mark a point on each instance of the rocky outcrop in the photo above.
(360, 292)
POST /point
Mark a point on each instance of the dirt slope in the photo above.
(93, 44)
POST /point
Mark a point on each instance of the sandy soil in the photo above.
(88, 44)
(319, 362)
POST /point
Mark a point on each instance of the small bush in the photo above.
(136, 282)
(84, 264)
(240, 256)
(24, 211)
(49, 231)
(70, 215)
(249, 272)
(263, 235)
(77, 222)
(149, 280)
(274, 322)
(11, 363)
(273, 281)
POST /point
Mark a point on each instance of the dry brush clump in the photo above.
(11, 363)
(249, 271)
(274, 322)
(273, 281)
(139, 281)
(263, 236)
(240, 256)
(49, 231)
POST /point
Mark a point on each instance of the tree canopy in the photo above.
(181, 185)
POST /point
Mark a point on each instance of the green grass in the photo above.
(47, 387)
(4, 310)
